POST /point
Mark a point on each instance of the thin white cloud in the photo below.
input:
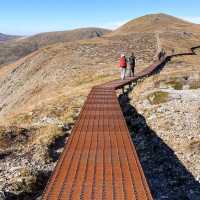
(192, 19)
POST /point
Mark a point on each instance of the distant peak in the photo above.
(162, 14)
(152, 23)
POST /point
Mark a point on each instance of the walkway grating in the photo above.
(99, 161)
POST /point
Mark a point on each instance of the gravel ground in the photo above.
(167, 139)
(24, 171)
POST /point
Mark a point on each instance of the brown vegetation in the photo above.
(13, 50)
(41, 94)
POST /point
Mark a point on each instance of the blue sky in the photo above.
(26, 17)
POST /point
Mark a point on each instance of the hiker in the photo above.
(161, 54)
(123, 65)
(131, 65)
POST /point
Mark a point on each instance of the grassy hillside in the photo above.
(43, 91)
(11, 51)
(171, 32)
(67, 65)
(157, 22)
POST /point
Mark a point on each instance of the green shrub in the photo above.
(176, 84)
(158, 97)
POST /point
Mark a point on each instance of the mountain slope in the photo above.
(41, 93)
(4, 37)
(13, 50)
(67, 64)
(48, 38)
(172, 32)
(157, 22)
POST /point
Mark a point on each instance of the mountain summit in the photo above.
(156, 22)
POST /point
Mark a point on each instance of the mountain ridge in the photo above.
(5, 37)
(13, 50)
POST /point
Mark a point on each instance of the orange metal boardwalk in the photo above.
(99, 161)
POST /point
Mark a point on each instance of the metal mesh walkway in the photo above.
(99, 161)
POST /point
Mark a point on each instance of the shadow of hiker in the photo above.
(167, 177)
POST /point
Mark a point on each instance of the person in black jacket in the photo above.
(131, 65)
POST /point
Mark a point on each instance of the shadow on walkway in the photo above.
(167, 177)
